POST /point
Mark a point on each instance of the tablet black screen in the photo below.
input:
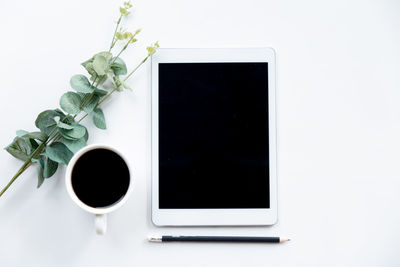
(213, 135)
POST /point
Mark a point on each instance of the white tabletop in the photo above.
(338, 83)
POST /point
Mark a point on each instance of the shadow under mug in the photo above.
(100, 213)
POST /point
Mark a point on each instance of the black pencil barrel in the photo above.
(243, 239)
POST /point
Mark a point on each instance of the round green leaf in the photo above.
(64, 126)
(40, 173)
(86, 136)
(94, 100)
(119, 66)
(81, 84)
(70, 102)
(100, 92)
(45, 120)
(20, 133)
(105, 54)
(19, 148)
(74, 145)
(77, 132)
(36, 135)
(98, 119)
(100, 65)
(58, 152)
(50, 168)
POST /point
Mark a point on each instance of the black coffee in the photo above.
(100, 178)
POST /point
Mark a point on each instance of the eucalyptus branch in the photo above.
(138, 66)
(26, 165)
(60, 134)
(124, 48)
(114, 38)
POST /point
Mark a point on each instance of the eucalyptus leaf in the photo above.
(59, 152)
(105, 54)
(81, 84)
(84, 64)
(70, 102)
(86, 136)
(98, 119)
(64, 126)
(119, 66)
(40, 173)
(36, 135)
(90, 69)
(20, 133)
(100, 65)
(50, 168)
(91, 104)
(45, 120)
(33, 143)
(75, 145)
(78, 131)
(100, 92)
(19, 148)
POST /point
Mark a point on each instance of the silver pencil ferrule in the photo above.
(157, 239)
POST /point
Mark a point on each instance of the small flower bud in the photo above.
(119, 36)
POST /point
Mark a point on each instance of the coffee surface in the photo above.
(100, 178)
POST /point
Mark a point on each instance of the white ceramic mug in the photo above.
(100, 213)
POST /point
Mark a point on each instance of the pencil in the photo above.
(237, 239)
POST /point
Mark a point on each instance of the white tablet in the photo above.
(213, 137)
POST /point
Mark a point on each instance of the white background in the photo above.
(338, 79)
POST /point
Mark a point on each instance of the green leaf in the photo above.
(86, 136)
(98, 119)
(64, 126)
(45, 120)
(70, 102)
(119, 66)
(19, 148)
(59, 152)
(50, 168)
(75, 145)
(84, 64)
(107, 55)
(100, 92)
(35, 135)
(40, 173)
(90, 69)
(92, 104)
(81, 84)
(33, 143)
(78, 131)
(100, 65)
(20, 133)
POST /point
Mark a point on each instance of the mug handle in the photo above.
(100, 223)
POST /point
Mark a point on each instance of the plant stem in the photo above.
(115, 32)
(20, 171)
(141, 63)
(123, 48)
(27, 163)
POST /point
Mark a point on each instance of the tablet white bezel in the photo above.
(204, 217)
